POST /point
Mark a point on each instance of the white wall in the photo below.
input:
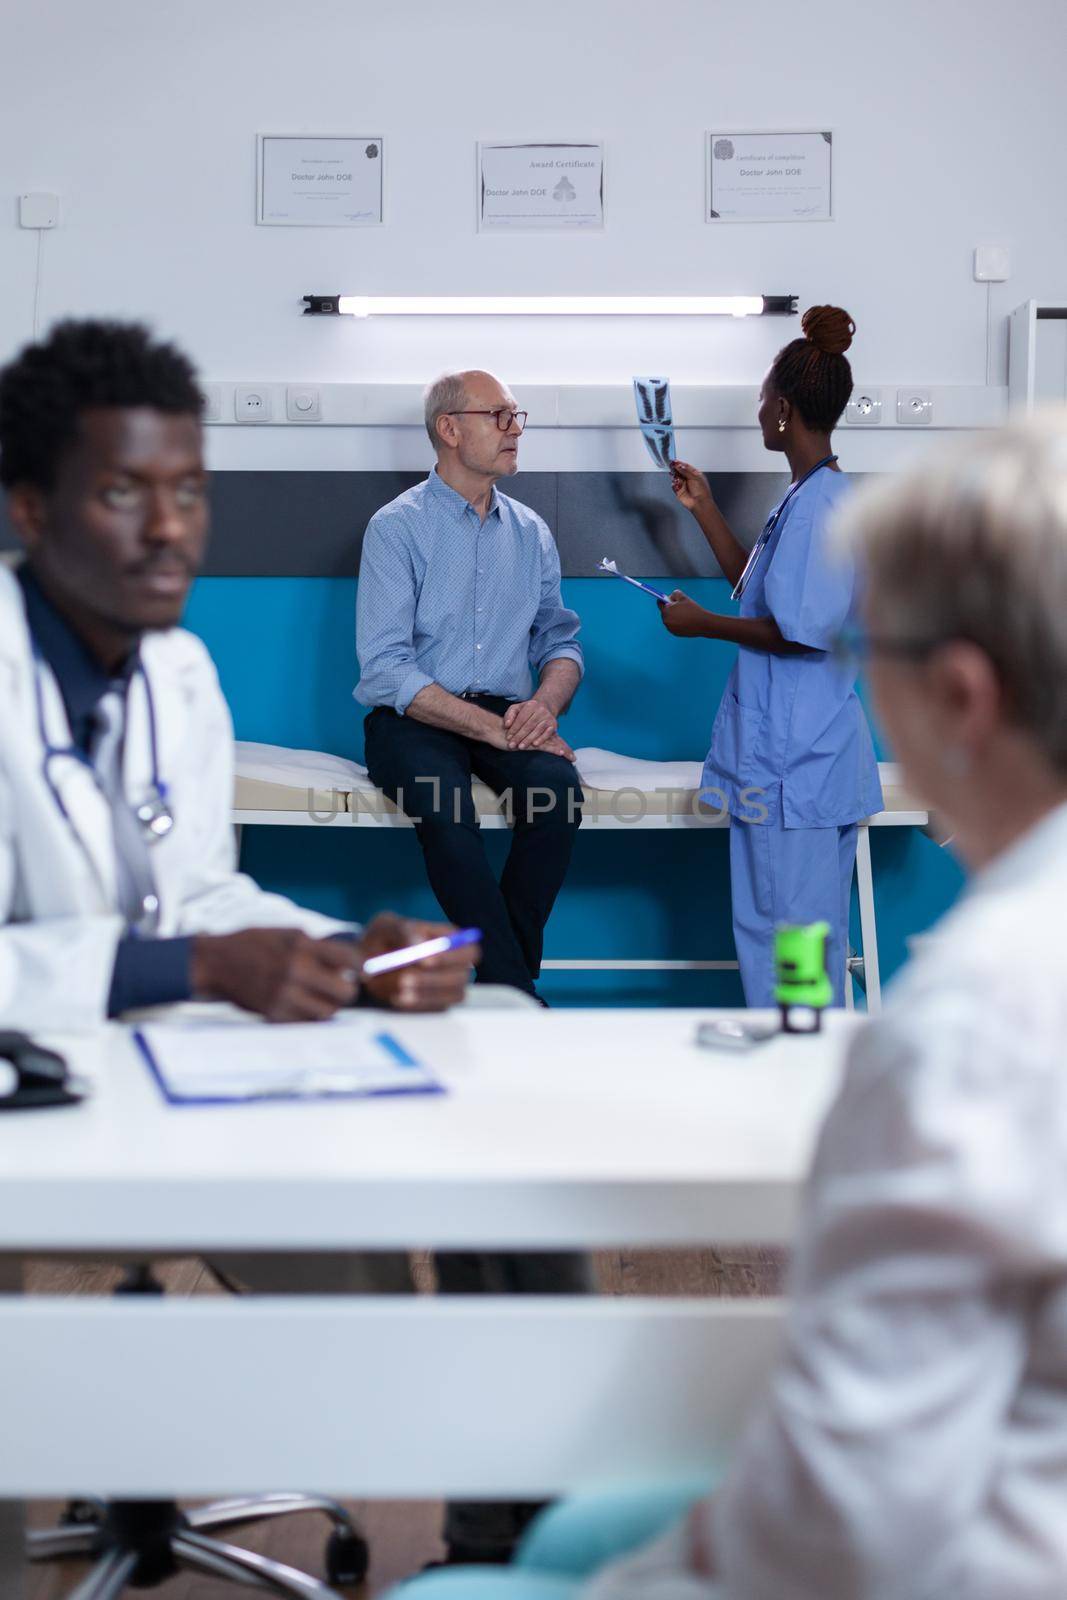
(949, 118)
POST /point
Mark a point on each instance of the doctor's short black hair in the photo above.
(79, 367)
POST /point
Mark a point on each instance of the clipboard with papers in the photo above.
(240, 1063)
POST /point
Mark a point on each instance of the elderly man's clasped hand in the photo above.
(530, 725)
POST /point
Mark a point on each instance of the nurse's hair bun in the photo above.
(828, 328)
(812, 372)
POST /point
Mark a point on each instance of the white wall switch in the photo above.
(303, 403)
(915, 407)
(212, 393)
(251, 402)
(864, 410)
(38, 210)
(992, 263)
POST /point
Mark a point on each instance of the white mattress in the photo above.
(298, 769)
(598, 769)
(271, 776)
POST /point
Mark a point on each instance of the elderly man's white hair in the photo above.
(972, 545)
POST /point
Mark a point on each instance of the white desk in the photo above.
(568, 1129)
(563, 1129)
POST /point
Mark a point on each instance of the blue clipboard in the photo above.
(612, 569)
(421, 1082)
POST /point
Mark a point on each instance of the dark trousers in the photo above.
(427, 772)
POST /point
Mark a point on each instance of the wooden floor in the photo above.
(402, 1535)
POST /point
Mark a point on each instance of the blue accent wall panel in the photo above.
(285, 650)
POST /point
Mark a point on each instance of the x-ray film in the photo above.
(660, 444)
(653, 396)
(655, 418)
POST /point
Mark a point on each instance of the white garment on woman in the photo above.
(913, 1445)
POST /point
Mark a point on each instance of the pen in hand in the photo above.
(419, 952)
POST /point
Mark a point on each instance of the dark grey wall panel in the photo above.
(634, 518)
(295, 524)
(311, 524)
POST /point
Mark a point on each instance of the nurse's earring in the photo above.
(781, 424)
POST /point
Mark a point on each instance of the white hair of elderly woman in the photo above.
(972, 544)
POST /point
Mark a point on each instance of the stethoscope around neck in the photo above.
(769, 526)
(154, 815)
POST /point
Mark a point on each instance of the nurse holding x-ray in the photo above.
(790, 748)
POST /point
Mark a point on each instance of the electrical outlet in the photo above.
(864, 410)
(251, 402)
(915, 407)
(212, 393)
(303, 404)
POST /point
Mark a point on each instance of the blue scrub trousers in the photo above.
(792, 875)
(564, 1547)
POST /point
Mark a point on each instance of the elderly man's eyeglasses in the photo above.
(505, 417)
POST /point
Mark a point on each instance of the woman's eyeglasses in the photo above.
(852, 647)
(505, 417)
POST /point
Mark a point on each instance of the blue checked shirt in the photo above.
(444, 598)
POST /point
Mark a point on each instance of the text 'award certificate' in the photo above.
(769, 177)
(319, 182)
(540, 187)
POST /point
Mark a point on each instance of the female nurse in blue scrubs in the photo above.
(790, 749)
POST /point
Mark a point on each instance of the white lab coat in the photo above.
(913, 1445)
(59, 926)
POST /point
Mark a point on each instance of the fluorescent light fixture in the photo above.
(568, 305)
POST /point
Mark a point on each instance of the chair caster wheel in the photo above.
(81, 1513)
(347, 1558)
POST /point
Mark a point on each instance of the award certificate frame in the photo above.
(540, 186)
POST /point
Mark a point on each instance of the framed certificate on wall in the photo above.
(319, 181)
(540, 187)
(770, 177)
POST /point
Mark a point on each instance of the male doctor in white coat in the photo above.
(118, 884)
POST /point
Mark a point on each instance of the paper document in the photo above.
(213, 1063)
(653, 398)
(604, 565)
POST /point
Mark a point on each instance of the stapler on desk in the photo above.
(32, 1077)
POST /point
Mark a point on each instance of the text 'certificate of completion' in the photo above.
(309, 182)
(769, 177)
(540, 187)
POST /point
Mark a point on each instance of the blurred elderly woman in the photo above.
(913, 1442)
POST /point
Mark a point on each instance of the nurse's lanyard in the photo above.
(769, 526)
(154, 815)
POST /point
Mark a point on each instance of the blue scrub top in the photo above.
(791, 726)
